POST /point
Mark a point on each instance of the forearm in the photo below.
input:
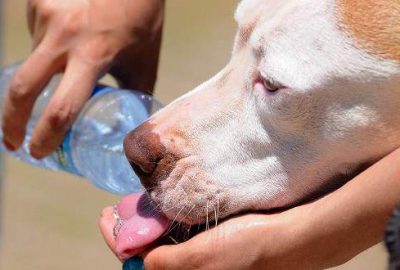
(354, 217)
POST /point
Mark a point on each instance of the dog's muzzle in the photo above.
(148, 157)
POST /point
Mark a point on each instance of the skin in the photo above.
(324, 233)
(85, 40)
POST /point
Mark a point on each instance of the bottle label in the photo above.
(63, 152)
(64, 155)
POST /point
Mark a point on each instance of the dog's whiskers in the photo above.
(215, 217)
(198, 220)
(173, 240)
(188, 213)
(218, 211)
(187, 232)
(178, 224)
(207, 222)
(173, 226)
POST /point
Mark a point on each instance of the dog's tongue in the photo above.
(142, 225)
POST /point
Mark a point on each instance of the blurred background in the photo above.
(49, 219)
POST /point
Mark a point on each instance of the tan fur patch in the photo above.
(375, 24)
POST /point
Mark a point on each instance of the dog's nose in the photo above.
(144, 150)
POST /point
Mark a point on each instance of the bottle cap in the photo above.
(134, 263)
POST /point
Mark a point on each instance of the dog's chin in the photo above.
(190, 208)
(190, 197)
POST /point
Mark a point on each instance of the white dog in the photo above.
(311, 94)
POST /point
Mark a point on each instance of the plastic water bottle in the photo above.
(93, 147)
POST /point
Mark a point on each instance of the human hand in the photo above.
(84, 39)
(253, 241)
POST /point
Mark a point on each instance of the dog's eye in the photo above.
(271, 85)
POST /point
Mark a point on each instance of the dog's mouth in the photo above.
(140, 226)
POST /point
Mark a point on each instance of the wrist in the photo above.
(337, 229)
(292, 245)
(325, 240)
(135, 67)
(145, 16)
(299, 241)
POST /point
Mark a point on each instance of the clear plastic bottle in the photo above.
(93, 147)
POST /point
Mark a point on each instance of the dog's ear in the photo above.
(247, 11)
(374, 24)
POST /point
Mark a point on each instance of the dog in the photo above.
(310, 96)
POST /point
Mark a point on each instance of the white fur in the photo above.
(245, 149)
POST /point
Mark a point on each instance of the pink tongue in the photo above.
(143, 225)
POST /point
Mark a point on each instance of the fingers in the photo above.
(187, 255)
(218, 248)
(106, 225)
(31, 15)
(64, 107)
(24, 88)
(165, 257)
(159, 258)
(38, 18)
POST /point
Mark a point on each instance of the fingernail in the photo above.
(134, 263)
(34, 153)
(8, 145)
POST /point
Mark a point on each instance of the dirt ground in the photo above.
(49, 219)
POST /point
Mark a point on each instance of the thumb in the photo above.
(182, 256)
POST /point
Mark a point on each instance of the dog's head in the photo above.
(311, 92)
